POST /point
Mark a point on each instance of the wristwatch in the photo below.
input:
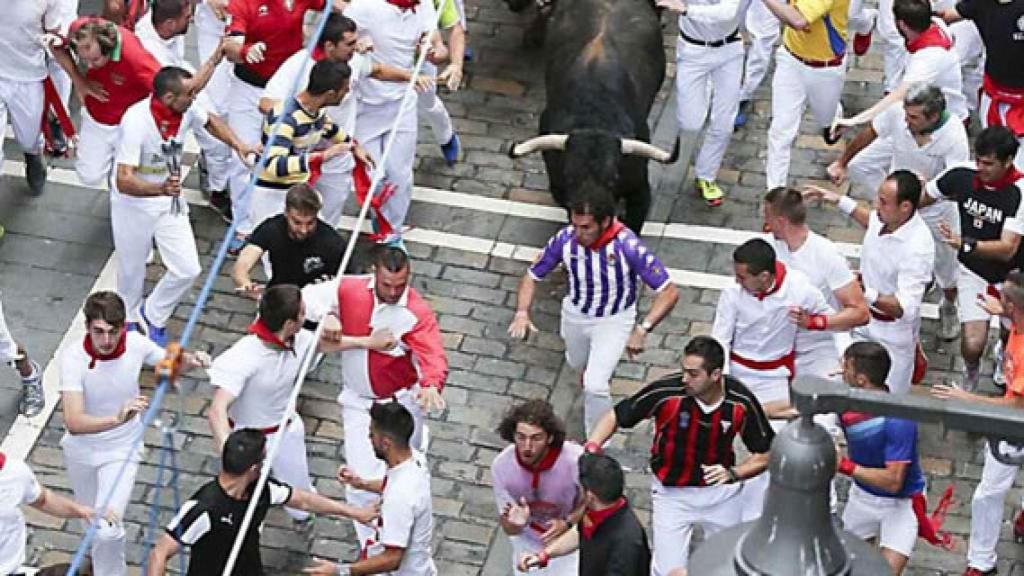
(646, 325)
(344, 570)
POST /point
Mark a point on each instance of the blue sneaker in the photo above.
(134, 327)
(156, 333)
(450, 151)
(741, 115)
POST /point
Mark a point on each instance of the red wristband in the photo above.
(543, 558)
(847, 466)
(817, 322)
(592, 447)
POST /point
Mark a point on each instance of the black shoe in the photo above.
(35, 173)
(221, 203)
(58, 145)
(831, 137)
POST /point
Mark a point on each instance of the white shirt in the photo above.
(140, 146)
(826, 268)
(945, 146)
(898, 263)
(941, 68)
(712, 20)
(106, 387)
(170, 52)
(297, 67)
(23, 57)
(18, 487)
(406, 516)
(260, 378)
(395, 34)
(759, 328)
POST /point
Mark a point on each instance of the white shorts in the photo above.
(8, 347)
(969, 285)
(891, 520)
(674, 512)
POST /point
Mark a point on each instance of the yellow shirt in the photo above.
(826, 38)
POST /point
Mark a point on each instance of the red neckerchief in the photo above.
(594, 518)
(318, 54)
(608, 235)
(543, 465)
(267, 336)
(94, 355)
(780, 275)
(404, 5)
(3, 460)
(1009, 177)
(167, 120)
(934, 36)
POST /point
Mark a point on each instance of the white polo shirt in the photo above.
(406, 516)
(139, 145)
(24, 21)
(759, 328)
(826, 268)
(712, 20)
(899, 263)
(944, 147)
(260, 378)
(18, 487)
(169, 52)
(939, 67)
(106, 387)
(395, 34)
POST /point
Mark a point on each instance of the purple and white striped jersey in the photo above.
(602, 281)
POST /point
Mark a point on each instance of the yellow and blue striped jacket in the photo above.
(290, 156)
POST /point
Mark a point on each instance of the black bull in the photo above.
(604, 65)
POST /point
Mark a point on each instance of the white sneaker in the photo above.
(949, 323)
(970, 381)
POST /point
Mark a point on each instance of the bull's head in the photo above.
(628, 147)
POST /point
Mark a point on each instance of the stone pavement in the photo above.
(60, 241)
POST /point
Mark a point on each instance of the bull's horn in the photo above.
(538, 143)
(646, 149)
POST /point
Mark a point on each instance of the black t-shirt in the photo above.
(687, 436)
(298, 262)
(1002, 31)
(983, 214)
(209, 521)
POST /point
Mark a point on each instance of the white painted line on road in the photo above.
(22, 435)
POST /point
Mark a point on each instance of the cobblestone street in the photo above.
(476, 225)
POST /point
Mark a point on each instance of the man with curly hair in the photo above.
(535, 484)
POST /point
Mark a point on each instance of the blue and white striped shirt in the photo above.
(602, 281)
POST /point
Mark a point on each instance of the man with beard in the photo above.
(535, 484)
(300, 248)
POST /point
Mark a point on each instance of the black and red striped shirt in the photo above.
(688, 434)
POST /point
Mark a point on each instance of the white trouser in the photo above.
(246, 121)
(900, 341)
(359, 456)
(568, 565)
(767, 385)
(675, 510)
(866, 172)
(218, 155)
(891, 520)
(8, 346)
(22, 103)
(970, 50)
(135, 227)
(373, 128)
(701, 70)
(290, 465)
(822, 361)
(763, 31)
(61, 81)
(794, 87)
(334, 185)
(983, 113)
(92, 475)
(987, 509)
(432, 109)
(94, 156)
(594, 345)
(860, 20)
(265, 203)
